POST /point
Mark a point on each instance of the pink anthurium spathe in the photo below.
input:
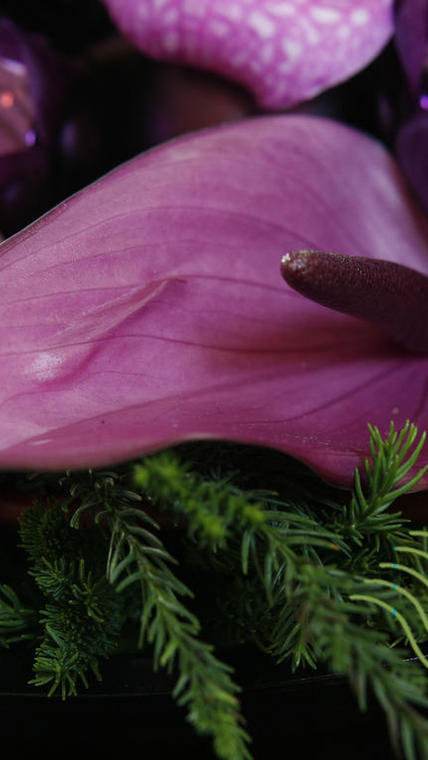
(149, 308)
(283, 51)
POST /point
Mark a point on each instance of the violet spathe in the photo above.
(148, 308)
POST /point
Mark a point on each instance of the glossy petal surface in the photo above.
(283, 51)
(149, 308)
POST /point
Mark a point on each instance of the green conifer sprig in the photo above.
(312, 577)
(17, 622)
(82, 619)
(369, 524)
(313, 567)
(204, 683)
(137, 558)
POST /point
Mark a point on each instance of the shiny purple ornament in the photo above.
(33, 81)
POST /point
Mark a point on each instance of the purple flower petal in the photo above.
(411, 39)
(412, 152)
(411, 139)
(149, 308)
(284, 52)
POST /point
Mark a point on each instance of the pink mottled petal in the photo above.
(284, 51)
(149, 308)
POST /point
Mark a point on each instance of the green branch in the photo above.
(313, 565)
(137, 558)
(312, 580)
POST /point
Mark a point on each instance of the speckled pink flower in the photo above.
(284, 51)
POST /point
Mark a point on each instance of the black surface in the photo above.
(289, 716)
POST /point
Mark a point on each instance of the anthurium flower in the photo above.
(149, 308)
(284, 51)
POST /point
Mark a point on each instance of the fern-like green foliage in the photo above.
(82, 618)
(333, 600)
(138, 559)
(17, 621)
(311, 575)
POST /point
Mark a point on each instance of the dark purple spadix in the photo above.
(391, 296)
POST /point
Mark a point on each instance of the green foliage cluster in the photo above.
(18, 622)
(82, 615)
(329, 573)
(137, 558)
(311, 575)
